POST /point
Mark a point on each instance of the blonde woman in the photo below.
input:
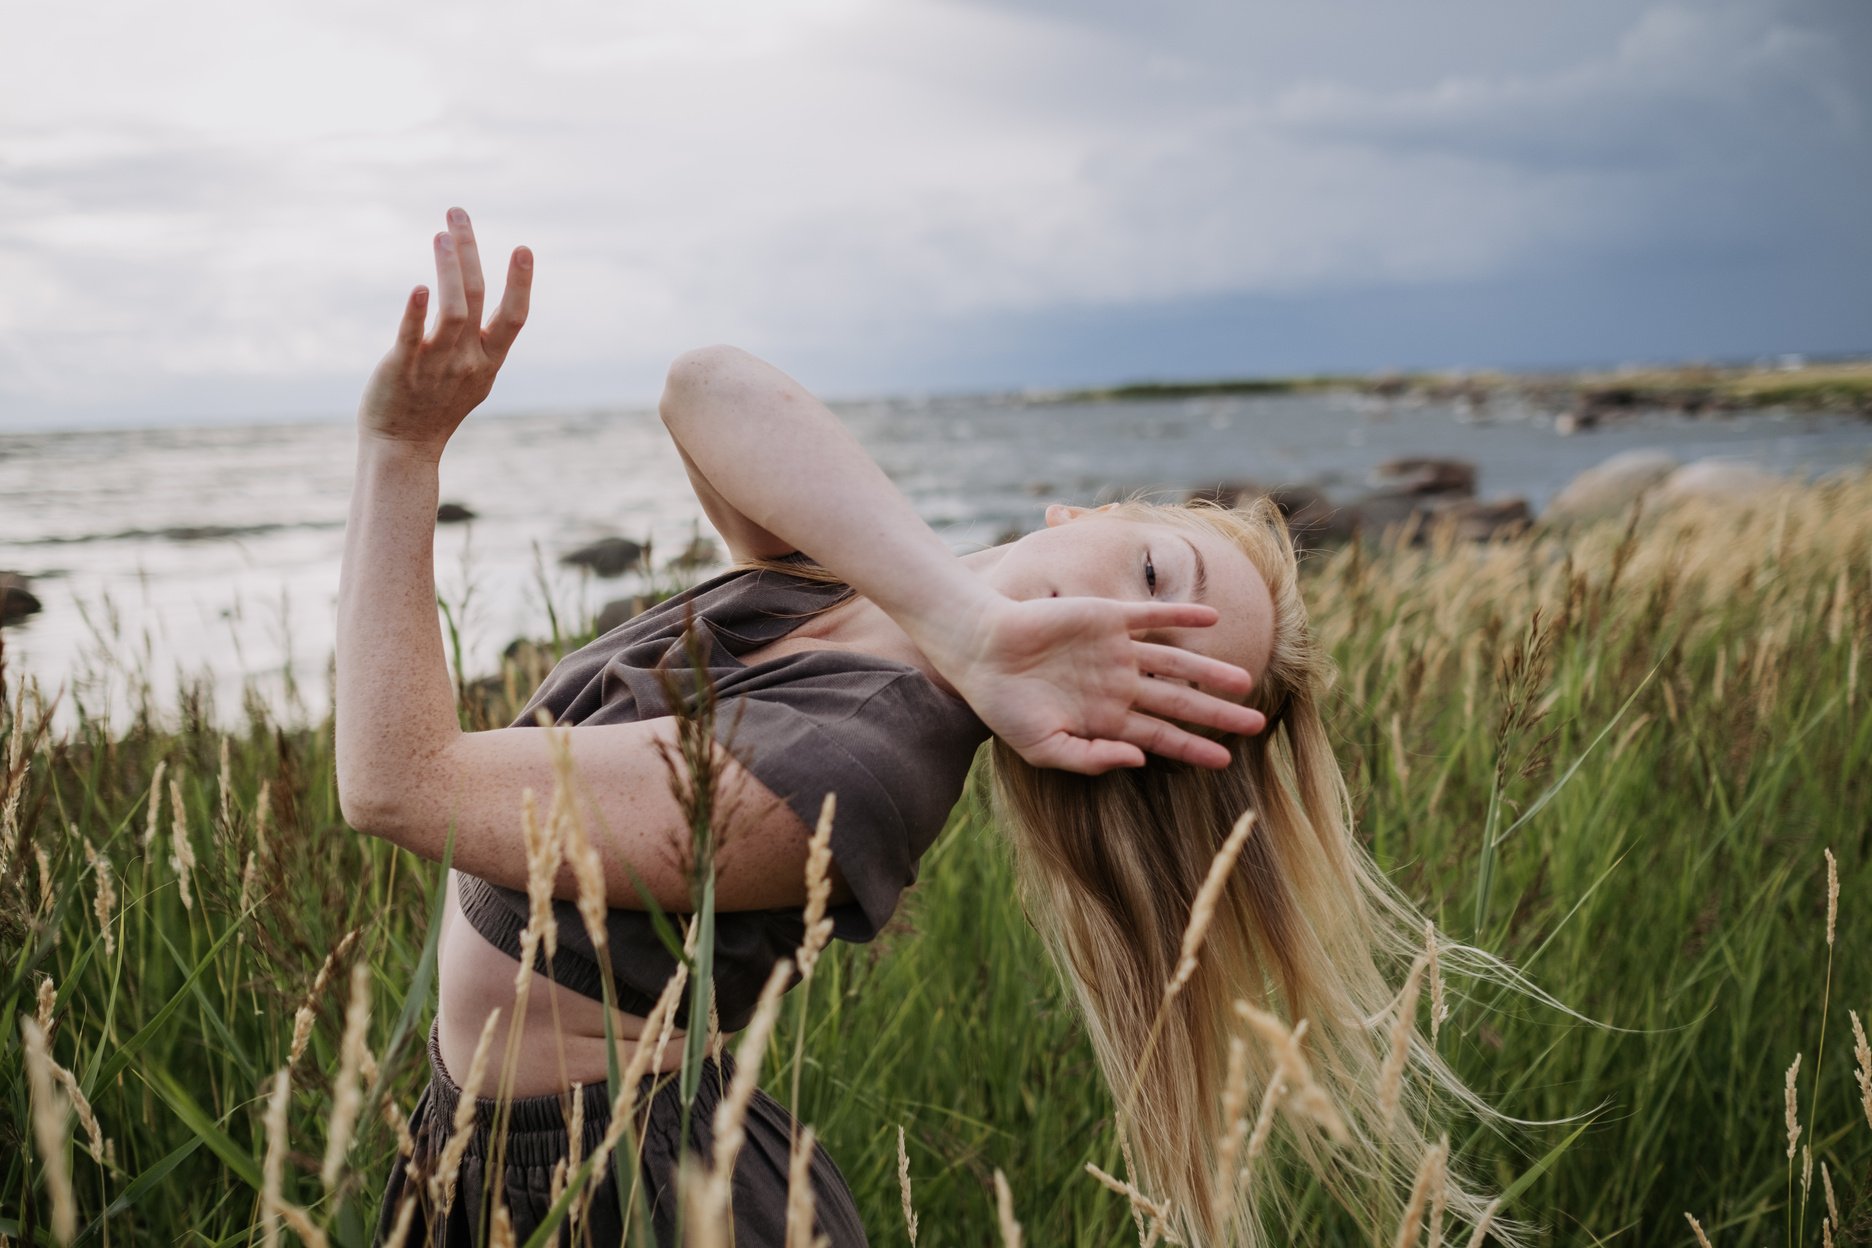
(1145, 674)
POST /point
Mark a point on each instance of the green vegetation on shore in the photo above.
(1617, 759)
(1824, 387)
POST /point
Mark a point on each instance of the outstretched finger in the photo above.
(1193, 706)
(451, 302)
(1199, 669)
(1069, 753)
(474, 286)
(1139, 615)
(410, 330)
(1169, 741)
(512, 313)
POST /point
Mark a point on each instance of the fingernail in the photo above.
(457, 217)
(525, 259)
(444, 241)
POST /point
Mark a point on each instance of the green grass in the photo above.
(1672, 884)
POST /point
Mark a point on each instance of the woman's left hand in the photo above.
(424, 388)
(1066, 684)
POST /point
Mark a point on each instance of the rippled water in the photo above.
(216, 550)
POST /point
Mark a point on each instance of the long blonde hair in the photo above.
(1306, 926)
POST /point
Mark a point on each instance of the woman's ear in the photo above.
(1059, 513)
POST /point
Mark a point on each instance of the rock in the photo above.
(17, 601)
(1373, 513)
(608, 556)
(1719, 479)
(619, 610)
(1610, 488)
(1479, 520)
(1425, 475)
(700, 550)
(453, 513)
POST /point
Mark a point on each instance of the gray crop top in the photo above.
(894, 747)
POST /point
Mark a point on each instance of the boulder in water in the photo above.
(1424, 474)
(608, 556)
(1610, 488)
(17, 601)
(1718, 479)
(453, 513)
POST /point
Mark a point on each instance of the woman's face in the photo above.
(1094, 553)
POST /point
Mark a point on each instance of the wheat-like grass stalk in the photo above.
(1793, 1115)
(1410, 1229)
(799, 1206)
(1391, 1077)
(104, 902)
(1305, 1094)
(1862, 1065)
(1439, 1193)
(1004, 1211)
(273, 1166)
(731, 1112)
(182, 855)
(1697, 1228)
(1202, 910)
(1826, 1181)
(99, 1147)
(1234, 1133)
(250, 881)
(818, 890)
(225, 783)
(1832, 895)
(154, 813)
(1263, 1125)
(263, 812)
(704, 1206)
(48, 998)
(903, 1186)
(1141, 1205)
(51, 1119)
(501, 1227)
(1482, 1224)
(300, 1223)
(400, 1229)
(348, 1092)
(307, 1014)
(545, 850)
(1439, 1010)
(575, 841)
(461, 1130)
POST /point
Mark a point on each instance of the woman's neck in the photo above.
(863, 626)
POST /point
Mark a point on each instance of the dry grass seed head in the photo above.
(348, 1094)
(273, 1167)
(1862, 1065)
(155, 805)
(461, 1130)
(731, 1113)
(182, 854)
(799, 1205)
(903, 1186)
(818, 889)
(1793, 1117)
(1202, 911)
(1697, 1228)
(1004, 1210)
(51, 1112)
(104, 904)
(1391, 1078)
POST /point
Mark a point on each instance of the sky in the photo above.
(212, 210)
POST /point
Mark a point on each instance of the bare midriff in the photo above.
(561, 1033)
(562, 1038)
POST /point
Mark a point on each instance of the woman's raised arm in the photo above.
(1061, 680)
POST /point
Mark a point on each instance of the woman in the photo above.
(1109, 656)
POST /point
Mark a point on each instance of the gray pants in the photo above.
(537, 1137)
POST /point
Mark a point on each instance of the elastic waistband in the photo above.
(539, 1127)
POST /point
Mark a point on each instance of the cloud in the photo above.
(201, 200)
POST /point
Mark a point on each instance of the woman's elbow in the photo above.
(696, 373)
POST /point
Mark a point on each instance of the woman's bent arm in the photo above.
(793, 477)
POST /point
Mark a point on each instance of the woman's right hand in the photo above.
(1066, 684)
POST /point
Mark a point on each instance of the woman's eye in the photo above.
(1150, 574)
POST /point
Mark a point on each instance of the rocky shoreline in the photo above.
(1577, 401)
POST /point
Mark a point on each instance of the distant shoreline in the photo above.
(1839, 387)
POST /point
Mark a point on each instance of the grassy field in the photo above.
(1616, 758)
